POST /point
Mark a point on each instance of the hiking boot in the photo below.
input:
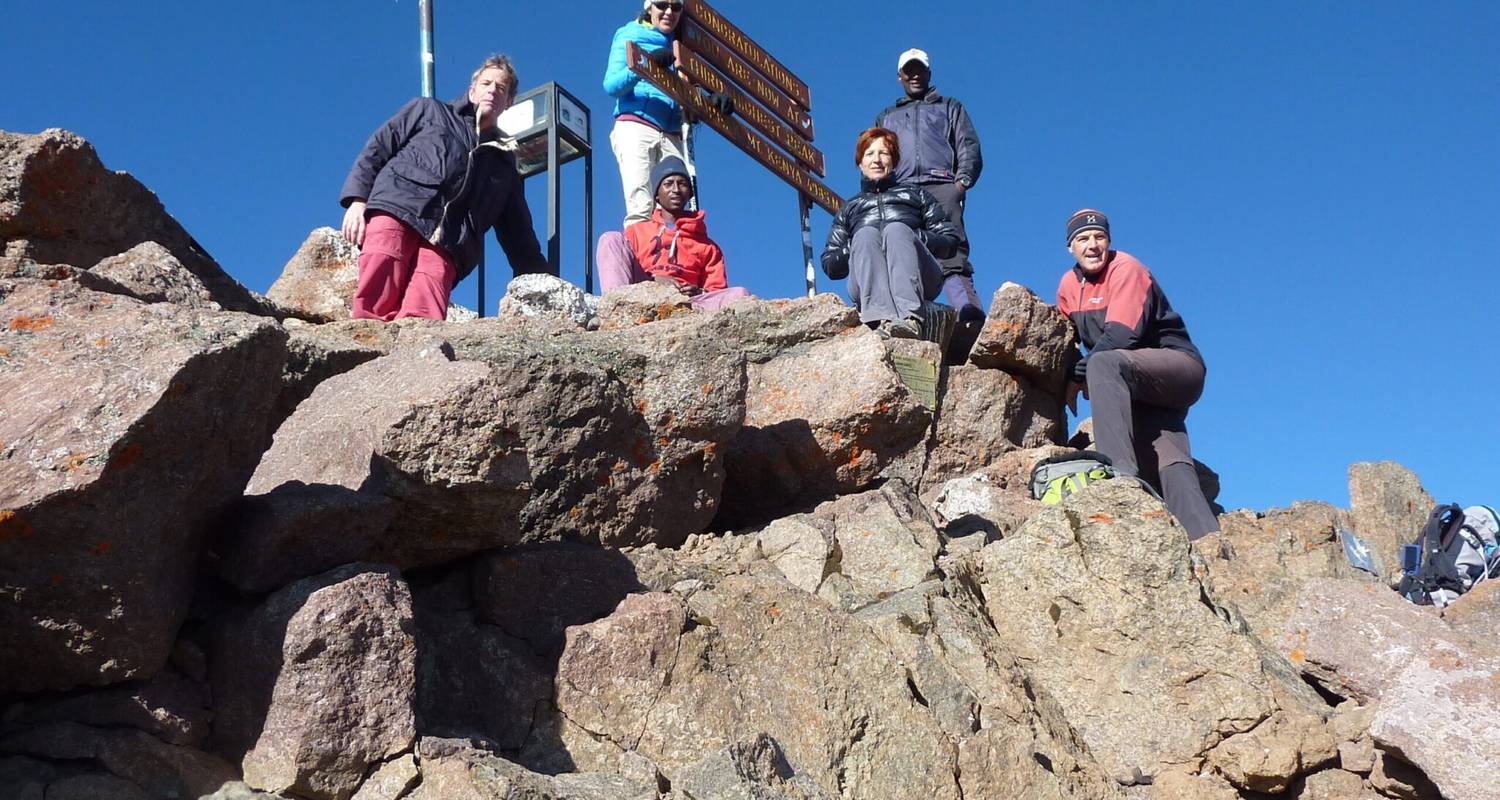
(903, 329)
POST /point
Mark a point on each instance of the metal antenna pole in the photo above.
(429, 78)
(804, 205)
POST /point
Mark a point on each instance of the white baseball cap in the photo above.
(914, 55)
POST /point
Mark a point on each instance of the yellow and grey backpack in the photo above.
(1061, 476)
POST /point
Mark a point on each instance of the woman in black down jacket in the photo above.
(887, 240)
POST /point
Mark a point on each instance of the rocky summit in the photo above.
(624, 550)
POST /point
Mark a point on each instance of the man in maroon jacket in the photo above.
(1141, 373)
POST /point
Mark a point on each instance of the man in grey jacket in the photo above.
(940, 153)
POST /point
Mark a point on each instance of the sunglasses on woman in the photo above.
(664, 6)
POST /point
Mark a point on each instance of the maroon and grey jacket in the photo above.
(1121, 308)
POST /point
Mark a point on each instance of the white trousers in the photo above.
(638, 149)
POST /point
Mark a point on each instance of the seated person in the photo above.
(887, 240)
(421, 195)
(672, 247)
(1142, 372)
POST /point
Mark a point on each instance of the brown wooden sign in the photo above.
(757, 147)
(705, 76)
(704, 44)
(725, 31)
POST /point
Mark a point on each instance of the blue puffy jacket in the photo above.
(938, 142)
(633, 95)
(427, 167)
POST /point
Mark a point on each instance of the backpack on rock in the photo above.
(1457, 549)
(1060, 476)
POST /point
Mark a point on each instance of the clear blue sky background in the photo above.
(1315, 184)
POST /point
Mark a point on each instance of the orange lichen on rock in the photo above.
(1101, 518)
(31, 324)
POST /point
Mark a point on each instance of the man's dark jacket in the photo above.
(883, 203)
(938, 142)
(427, 167)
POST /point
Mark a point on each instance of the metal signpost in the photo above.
(719, 57)
(429, 62)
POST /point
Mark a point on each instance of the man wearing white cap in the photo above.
(940, 153)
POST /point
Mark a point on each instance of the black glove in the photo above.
(663, 58)
(723, 101)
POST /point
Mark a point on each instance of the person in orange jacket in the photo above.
(672, 247)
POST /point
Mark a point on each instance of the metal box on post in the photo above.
(552, 127)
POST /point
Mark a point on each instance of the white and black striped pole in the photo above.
(429, 71)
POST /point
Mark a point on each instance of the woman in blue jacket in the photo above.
(647, 122)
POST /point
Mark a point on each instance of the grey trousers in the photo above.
(891, 273)
(947, 196)
(1140, 401)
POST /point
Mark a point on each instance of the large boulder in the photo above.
(677, 680)
(453, 770)
(60, 205)
(1476, 613)
(534, 593)
(474, 679)
(170, 707)
(1439, 715)
(984, 414)
(857, 549)
(314, 355)
(411, 459)
(1389, 508)
(1354, 638)
(150, 272)
(1098, 601)
(822, 419)
(625, 432)
(128, 428)
(138, 764)
(1027, 337)
(318, 684)
(1013, 738)
(1259, 563)
(320, 278)
(1431, 688)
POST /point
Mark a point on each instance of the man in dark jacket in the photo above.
(940, 153)
(424, 190)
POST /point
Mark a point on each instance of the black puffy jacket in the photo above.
(880, 204)
(427, 167)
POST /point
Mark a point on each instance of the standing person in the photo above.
(887, 240)
(648, 123)
(424, 190)
(1141, 373)
(942, 156)
(672, 247)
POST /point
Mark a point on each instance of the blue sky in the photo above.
(1315, 184)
